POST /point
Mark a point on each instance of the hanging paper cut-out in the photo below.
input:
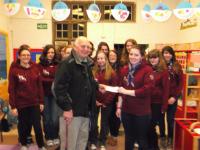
(197, 11)
(161, 12)
(34, 9)
(94, 13)
(60, 11)
(146, 15)
(120, 12)
(184, 10)
(11, 7)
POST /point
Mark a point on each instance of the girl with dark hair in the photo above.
(26, 97)
(159, 95)
(104, 74)
(125, 52)
(176, 86)
(64, 52)
(103, 46)
(47, 66)
(134, 104)
(114, 121)
(91, 48)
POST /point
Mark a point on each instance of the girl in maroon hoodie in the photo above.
(26, 96)
(124, 54)
(160, 94)
(104, 74)
(47, 66)
(137, 81)
(176, 85)
(114, 121)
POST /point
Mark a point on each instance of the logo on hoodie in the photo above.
(21, 78)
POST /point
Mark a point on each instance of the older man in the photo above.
(75, 88)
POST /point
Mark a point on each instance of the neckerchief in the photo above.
(131, 71)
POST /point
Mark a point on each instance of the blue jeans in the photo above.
(50, 118)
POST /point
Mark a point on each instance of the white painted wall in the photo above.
(4, 20)
(25, 30)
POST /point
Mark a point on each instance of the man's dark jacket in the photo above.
(75, 87)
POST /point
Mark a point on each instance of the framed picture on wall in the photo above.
(35, 54)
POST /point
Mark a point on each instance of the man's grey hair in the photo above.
(80, 40)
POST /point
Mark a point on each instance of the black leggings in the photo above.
(136, 127)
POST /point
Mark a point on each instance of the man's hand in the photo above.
(102, 88)
(118, 112)
(68, 116)
(98, 103)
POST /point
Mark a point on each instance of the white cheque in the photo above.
(113, 89)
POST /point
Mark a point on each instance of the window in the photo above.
(107, 12)
(78, 30)
(78, 11)
(62, 31)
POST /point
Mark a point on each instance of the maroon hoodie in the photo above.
(176, 82)
(47, 79)
(25, 86)
(143, 81)
(160, 93)
(107, 97)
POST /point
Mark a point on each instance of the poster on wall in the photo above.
(3, 63)
(35, 54)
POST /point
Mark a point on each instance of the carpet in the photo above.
(16, 147)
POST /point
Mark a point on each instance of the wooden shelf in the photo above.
(192, 99)
(194, 87)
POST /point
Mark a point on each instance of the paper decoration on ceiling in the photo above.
(11, 7)
(161, 12)
(146, 15)
(94, 13)
(197, 11)
(120, 12)
(184, 10)
(34, 9)
(60, 11)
